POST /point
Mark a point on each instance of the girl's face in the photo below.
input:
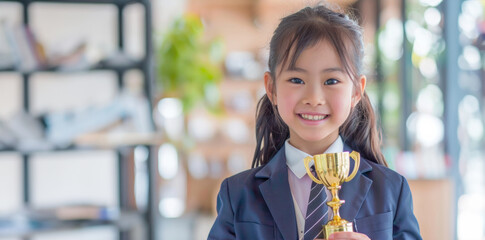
(315, 98)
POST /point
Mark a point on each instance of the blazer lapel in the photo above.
(355, 191)
(277, 194)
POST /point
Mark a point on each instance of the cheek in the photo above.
(343, 103)
(286, 102)
(343, 106)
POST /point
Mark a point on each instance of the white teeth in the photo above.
(313, 117)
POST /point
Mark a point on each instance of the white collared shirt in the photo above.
(299, 181)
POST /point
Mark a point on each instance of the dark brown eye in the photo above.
(296, 81)
(331, 81)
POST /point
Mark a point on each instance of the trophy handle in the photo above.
(310, 174)
(356, 156)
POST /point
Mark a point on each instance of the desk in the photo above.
(433, 207)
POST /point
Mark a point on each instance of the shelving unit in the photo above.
(126, 217)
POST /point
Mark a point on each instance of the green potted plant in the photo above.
(188, 66)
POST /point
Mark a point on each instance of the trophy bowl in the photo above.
(332, 170)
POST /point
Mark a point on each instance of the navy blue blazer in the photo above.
(257, 204)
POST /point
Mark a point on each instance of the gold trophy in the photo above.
(332, 169)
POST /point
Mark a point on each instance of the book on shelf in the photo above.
(22, 51)
(124, 121)
(8, 59)
(26, 52)
(36, 48)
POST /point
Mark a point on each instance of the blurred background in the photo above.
(120, 118)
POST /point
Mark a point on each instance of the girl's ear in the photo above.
(268, 85)
(358, 94)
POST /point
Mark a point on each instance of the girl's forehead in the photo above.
(323, 47)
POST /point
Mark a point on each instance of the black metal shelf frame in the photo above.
(145, 65)
(98, 67)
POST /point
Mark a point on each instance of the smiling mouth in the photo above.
(313, 117)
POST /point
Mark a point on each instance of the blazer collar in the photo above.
(277, 194)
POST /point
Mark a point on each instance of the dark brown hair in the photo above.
(293, 35)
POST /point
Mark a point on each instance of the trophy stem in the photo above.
(337, 224)
(335, 204)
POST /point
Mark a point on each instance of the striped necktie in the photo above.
(316, 211)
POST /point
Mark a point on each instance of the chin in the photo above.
(314, 139)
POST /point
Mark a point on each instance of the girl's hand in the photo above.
(347, 236)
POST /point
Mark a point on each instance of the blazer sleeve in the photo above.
(405, 224)
(223, 227)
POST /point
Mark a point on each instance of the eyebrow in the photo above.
(326, 70)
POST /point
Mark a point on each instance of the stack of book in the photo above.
(20, 49)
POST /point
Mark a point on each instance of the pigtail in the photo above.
(271, 132)
(360, 132)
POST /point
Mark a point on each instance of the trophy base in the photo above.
(345, 227)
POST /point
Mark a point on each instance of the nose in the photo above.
(314, 96)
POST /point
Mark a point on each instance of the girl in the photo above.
(314, 103)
